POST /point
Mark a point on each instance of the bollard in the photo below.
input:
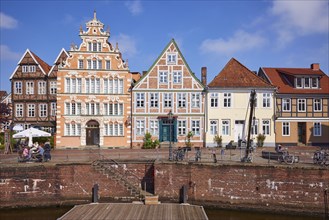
(183, 194)
(94, 198)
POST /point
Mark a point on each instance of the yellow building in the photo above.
(93, 96)
(228, 106)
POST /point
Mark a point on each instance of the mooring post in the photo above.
(94, 198)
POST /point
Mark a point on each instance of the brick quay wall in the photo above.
(238, 186)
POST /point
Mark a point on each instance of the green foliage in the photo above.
(149, 143)
(218, 140)
(260, 140)
(188, 139)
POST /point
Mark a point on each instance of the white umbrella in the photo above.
(18, 127)
(30, 133)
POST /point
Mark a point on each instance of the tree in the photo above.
(4, 113)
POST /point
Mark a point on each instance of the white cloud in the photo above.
(127, 45)
(297, 18)
(7, 22)
(7, 54)
(135, 7)
(241, 41)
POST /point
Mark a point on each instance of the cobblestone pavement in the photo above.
(60, 156)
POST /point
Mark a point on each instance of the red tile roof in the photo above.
(278, 78)
(42, 63)
(236, 75)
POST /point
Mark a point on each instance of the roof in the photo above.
(3, 94)
(121, 211)
(278, 77)
(236, 75)
(42, 63)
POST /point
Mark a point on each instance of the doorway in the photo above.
(238, 130)
(92, 133)
(167, 130)
(301, 133)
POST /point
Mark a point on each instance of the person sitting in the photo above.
(47, 148)
(278, 148)
(24, 155)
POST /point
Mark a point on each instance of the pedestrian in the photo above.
(47, 148)
(214, 155)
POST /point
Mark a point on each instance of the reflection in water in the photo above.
(213, 214)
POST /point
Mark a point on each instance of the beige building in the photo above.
(228, 106)
(93, 96)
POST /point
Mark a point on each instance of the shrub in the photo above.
(148, 143)
(188, 139)
(218, 140)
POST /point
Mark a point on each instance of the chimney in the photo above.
(315, 66)
(204, 75)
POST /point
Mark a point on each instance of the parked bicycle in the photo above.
(287, 158)
(179, 154)
(321, 157)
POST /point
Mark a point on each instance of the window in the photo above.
(80, 64)
(196, 127)
(167, 103)
(181, 98)
(99, 65)
(25, 69)
(88, 64)
(171, 58)
(213, 127)
(94, 64)
(154, 127)
(43, 110)
(225, 127)
(95, 46)
(299, 82)
(89, 46)
(266, 100)
(30, 88)
(195, 100)
(140, 127)
(254, 127)
(286, 105)
(213, 100)
(72, 129)
(266, 126)
(315, 82)
(177, 77)
(31, 110)
(181, 127)
(28, 69)
(113, 129)
(113, 108)
(73, 85)
(140, 100)
(163, 77)
(73, 108)
(285, 129)
(32, 69)
(108, 64)
(154, 100)
(120, 90)
(41, 87)
(92, 85)
(227, 100)
(317, 105)
(99, 46)
(307, 82)
(52, 87)
(53, 108)
(317, 129)
(301, 105)
(18, 87)
(19, 110)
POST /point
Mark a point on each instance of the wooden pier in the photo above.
(119, 211)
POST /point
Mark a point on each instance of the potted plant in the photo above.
(218, 140)
(260, 140)
(188, 139)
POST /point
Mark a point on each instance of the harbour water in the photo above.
(213, 214)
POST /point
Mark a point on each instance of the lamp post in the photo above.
(170, 117)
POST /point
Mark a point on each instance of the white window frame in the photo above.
(29, 87)
(266, 100)
(177, 77)
(213, 126)
(171, 58)
(317, 105)
(154, 127)
(255, 127)
(140, 100)
(18, 87)
(167, 100)
(195, 100)
(317, 129)
(315, 79)
(266, 126)
(195, 127)
(108, 64)
(52, 87)
(140, 127)
(285, 128)
(43, 110)
(19, 110)
(301, 80)
(181, 100)
(214, 100)
(301, 105)
(42, 87)
(154, 100)
(309, 82)
(163, 77)
(53, 107)
(227, 100)
(181, 126)
(286, 102)
(226, 126)
(30, 110)
(80, 64)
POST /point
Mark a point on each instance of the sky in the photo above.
(272, 33)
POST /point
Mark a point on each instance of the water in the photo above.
(213, 214)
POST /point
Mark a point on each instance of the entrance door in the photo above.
(238, 130)
(165, 133)
(301, 132)
(167, 130)
(92, 133)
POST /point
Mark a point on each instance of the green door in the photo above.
(165, 133)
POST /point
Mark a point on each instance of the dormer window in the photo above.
(299, 82)
(28, 69)
(171, 58)
(315, 82)
(306, 82)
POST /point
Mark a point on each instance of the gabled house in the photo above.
(31, 93)
(93, 94)
(228, 106)
(302, 104)
(168, 86)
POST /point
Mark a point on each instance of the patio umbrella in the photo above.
(30, 133)
(18, 127)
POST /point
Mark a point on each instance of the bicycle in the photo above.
(321, 157)
(285, 157)
(179, 154)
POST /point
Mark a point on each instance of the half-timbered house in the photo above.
(168, 86)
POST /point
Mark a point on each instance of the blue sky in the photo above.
(281, 33)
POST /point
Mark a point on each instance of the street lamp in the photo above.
(170, 117)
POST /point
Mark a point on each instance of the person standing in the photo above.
(47, 148)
